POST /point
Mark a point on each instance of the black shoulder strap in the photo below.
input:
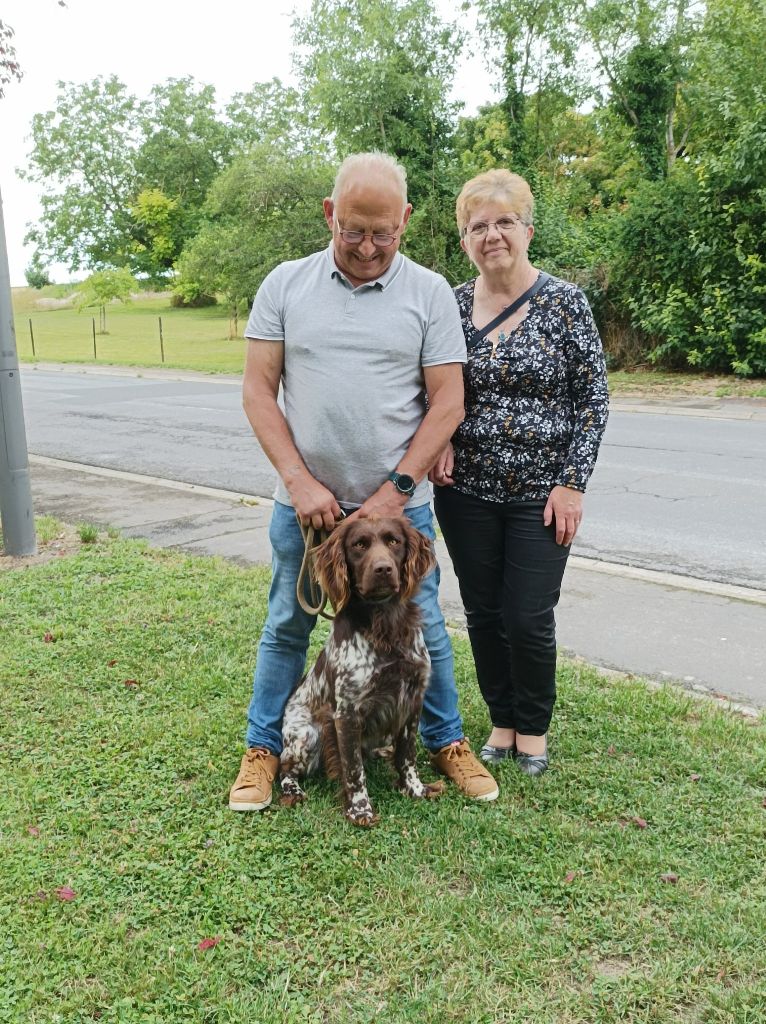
(510, 310)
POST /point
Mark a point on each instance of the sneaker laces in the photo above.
(256, 765)
(462, 757)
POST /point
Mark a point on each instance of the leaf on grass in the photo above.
(33, 830)
(49, 638)
(112, 663)
(65, 894)
(41, 894)
(669, 876)
(209, 943)
(639, 822)
(695, 777)
(130, 682)
(570, 876)
(611, 749)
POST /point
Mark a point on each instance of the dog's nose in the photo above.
(383, 569)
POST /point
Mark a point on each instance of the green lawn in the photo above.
(626, 885)
(196, 339)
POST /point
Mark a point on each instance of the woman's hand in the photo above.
(565, 507)
(441, 471)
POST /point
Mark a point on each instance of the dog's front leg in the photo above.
(406, 768)
(358, 808)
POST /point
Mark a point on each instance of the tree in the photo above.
(10, 70)
(641, 50)
(84, 158)
(106, 286)
(276, 113)
(104, 158)
(185, 145)
(37, 274)
(538, 47)
(378, 73)
(690, 254)
(263, 209)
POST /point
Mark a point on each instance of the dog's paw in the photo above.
(292, 799)
(362, 819)
(418, 790)
(385, 753)
(433, 790)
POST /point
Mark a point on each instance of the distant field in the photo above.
(198, 339)
(195, 339)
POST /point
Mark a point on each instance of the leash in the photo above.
(315, 603)
(317, 596)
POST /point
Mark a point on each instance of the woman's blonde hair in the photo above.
(494, 186)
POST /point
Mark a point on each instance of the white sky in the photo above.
(229, 44)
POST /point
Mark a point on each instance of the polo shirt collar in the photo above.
(381, 282)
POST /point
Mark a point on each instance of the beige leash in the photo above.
(317, 599)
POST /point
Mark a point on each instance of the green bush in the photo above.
(689, 267)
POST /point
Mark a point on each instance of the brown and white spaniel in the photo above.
(366, 688)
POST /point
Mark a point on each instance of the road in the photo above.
(679, 493)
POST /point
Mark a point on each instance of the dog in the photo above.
(366, 688)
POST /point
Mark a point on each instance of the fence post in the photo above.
(162, 347)
(93, 322)
(32, 336)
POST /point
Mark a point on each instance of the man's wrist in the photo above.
(403, 483)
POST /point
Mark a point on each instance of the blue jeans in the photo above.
(285, 640)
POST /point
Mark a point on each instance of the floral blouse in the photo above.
(537, 409)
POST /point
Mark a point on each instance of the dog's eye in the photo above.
(393, 542)
(360, 544)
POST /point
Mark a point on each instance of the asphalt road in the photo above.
(682, 494)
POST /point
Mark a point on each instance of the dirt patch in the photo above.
(65, 543)
(612, 969)
(49, 303)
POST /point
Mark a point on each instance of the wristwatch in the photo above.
(404, 483)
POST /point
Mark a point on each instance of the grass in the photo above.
(664, 383)
(195, 339)
(198, 339)
(124, 678)
(87, 532)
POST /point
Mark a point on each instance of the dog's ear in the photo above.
(331, 569)
(419, 562)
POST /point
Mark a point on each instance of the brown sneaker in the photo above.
(459, 764)
(252, 790)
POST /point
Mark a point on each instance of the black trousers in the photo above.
(509, 568)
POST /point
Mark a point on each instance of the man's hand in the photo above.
(441, 471)
(565, 506)
(313, 503)
(385, 502)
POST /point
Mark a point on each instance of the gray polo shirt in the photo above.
(353, 375)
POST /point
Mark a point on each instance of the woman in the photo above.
(510, 486)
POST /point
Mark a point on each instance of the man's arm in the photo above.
(264, 363)
(444, 387)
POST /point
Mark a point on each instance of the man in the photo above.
(358, 335)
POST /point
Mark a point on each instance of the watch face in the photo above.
(405, 483)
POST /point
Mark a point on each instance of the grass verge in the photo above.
(627, 884)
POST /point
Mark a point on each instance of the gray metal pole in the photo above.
(16, 512)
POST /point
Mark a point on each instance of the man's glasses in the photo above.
(355, 237)
(481, 227)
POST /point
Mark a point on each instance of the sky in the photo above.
(230, 44)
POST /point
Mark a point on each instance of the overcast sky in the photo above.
(229, 44)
